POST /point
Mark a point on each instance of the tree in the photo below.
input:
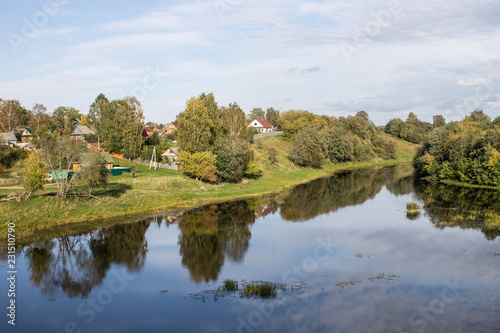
(214, 114)
(294, 121)
(93, 172)
(232, 158)
(200, 165)
(438, 121)
(131, 121)
(59, 153)
(195, 127)
(118, 124)
(307, 148)
(66, 117)
(39, 118)
(272, 116)
(233, 122)
(34, 169)
(100, 116)
(256, 113)
(12, 115)
(339, 144)
(272, 154)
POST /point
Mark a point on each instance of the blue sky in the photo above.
(388, 58)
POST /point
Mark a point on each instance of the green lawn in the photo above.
(154, 191)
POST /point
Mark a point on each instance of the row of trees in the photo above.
(318, 138)
(465, 151)
(14, 115)
(413, 129)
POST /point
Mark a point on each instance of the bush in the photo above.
(199, 165)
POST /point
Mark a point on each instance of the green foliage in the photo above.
(412, 130)
(195, 127)
(33, 170)
(339, 146)
(93, 172)
(10, 156)
(307, 148)
(256, 113)
(200, 165)
(294, 121)
(66, 117)
(12, 115)
(253, 171)
(118, 124)
(232, 158)
(467, 151)
(147, 153)
(272, 116)
(272, 154)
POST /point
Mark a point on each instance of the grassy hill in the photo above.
(164, 190)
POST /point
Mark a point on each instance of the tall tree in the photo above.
(234, 122)
(195, 127)
(256, 113)
(67, 117)
(132, 119)
(214, 114)
(272, 116)
(12, 115)
(39, 118)
(438, 121)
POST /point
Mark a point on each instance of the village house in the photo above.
(172, 127)
(84, 158)
(262, 125)
(80, 132)
(170, 155)
(26, 136)
(8, 139)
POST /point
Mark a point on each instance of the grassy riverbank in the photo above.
(164, 190)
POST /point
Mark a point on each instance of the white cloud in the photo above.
(146, 22)
(473, 82)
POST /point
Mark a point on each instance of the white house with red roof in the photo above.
(262, 125)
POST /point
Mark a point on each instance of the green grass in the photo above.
(155, 191)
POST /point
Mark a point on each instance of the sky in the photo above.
(329, 57)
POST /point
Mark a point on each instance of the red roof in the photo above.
(265, 123)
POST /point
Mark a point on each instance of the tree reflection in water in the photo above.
(77, 264)
(327, 195)
(209, 234)
(466, 208)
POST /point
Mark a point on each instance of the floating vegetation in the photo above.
(253, 289)
(412, 210)
(359, 254)
(382, 276)
(344, 284)
(229, 285)
(262, 289)
(464, 249)
(493, 253)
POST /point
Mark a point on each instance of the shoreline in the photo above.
(77, 225)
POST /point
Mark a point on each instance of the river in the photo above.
(339, 254)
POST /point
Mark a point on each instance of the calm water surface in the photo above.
(342, 251)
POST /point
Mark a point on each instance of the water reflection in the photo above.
(211, 233)
(327, 195)
(466, 208)
(77, 264)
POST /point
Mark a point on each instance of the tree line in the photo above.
(464, 151)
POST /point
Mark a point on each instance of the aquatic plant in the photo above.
(262, 289)
(229, 285)
(412, 207)
(359, 254)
